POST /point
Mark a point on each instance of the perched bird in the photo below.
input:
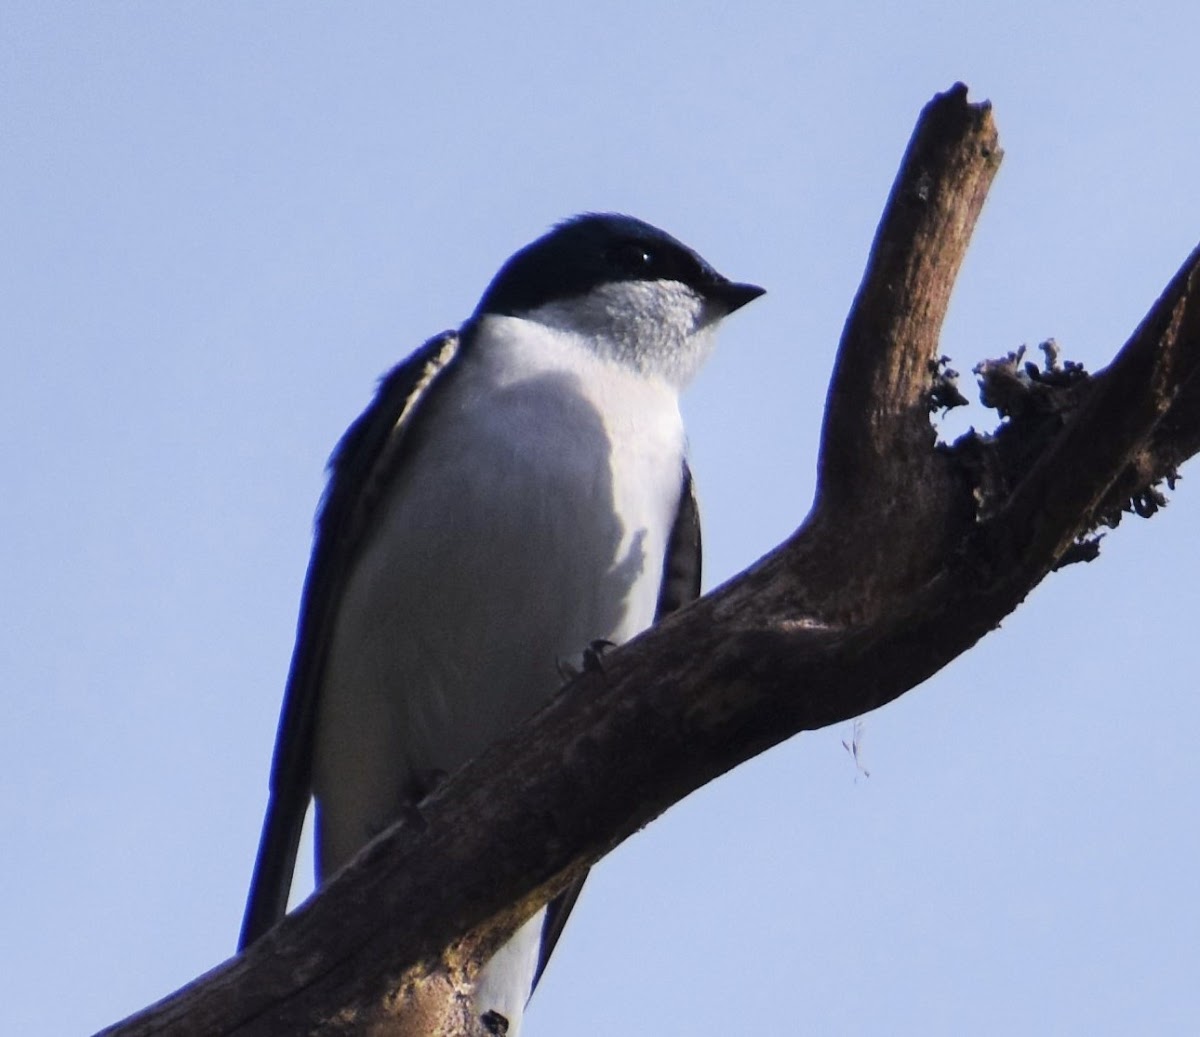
(516, 491)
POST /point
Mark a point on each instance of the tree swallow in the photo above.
(516, 491)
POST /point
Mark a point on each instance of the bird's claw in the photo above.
(591, 657)
(494, 1023)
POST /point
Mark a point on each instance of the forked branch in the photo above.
(913, 552)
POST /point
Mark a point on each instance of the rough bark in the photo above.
(913, 551)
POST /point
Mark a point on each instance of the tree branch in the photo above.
(913, 552)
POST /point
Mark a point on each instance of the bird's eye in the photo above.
(632, 257)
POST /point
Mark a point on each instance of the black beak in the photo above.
(732, 295)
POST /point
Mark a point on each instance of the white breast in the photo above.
(531, 519)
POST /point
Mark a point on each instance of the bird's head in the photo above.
(634, 293)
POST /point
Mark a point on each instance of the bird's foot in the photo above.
(593, 655)
(494, 1023)
(591, 658)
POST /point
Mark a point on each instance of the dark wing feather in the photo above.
(369, 450)
(681, 569)
(680, 586)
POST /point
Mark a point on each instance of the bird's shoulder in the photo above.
(372, 444)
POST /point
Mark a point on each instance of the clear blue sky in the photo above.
(219, 223)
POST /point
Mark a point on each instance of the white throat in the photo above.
(659, 329)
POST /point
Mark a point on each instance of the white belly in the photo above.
(530, 519)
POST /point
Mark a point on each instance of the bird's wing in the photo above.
(681, 568)
(680, 586)
(358, 472)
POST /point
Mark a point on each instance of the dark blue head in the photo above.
(594, 249)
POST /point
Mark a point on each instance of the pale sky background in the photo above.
(219, 223)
